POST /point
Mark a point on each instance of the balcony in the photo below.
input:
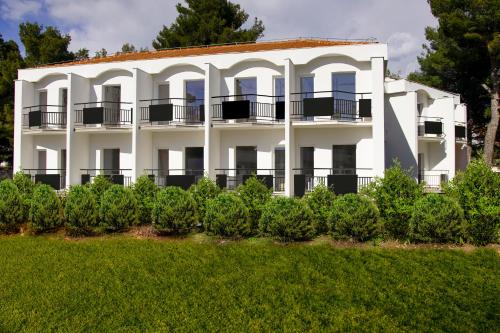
(342, 181)
(430, 127)
(249, 108)
(172, 112)
(104, 114)
(231, 178)
(330, 106)
(182, 178)
(116, 176)
(433, 179)
(460, 131)
(44, 117)
(56, 178)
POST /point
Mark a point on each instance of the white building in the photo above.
(297, 112)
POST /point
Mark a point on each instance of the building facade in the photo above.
(296, 113)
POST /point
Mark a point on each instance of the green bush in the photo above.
(145, 192)
(174, 211)
(287, 219)
(11, 206)
(254, 195)
(26, 187)
(436, 218)
(118, 209)
(477, 190)
(204, 190)
(320, 200)
(99, 185)
(354, 216)
(395, 195)
(45, 210)
(227, 216)
(80, 211)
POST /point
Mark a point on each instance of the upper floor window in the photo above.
(112, 97)
(195, 92)
(344, 86)
(64, 99)
(164, 91)
(42, 100)
(279, 88)
(307, 87)
(247, 87)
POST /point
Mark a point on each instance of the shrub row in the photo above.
(392, 207)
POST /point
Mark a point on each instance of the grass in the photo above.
(124, 284)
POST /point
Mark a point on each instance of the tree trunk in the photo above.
(491, 131)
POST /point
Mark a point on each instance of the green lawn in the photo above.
(126, 284)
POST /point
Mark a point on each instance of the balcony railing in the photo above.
(430, 127)
(44, 117)
(433, 179)
(232, 178)
(52, 177)
(116, 176)
(183, 178)
(172, 111)
(248, 108)
(345, 180)
(460, 130)
(109, 114)
(330, 105)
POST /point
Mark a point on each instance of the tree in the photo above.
(463, 55)
(44, 45)
(126, 48)
(101, 54)
(82, 54)
(205, 22)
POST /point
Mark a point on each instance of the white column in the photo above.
(378, 128)
(449, 134)
(142, 141)
(211, 146)
(289, 131)
(24, 95)
(412, 135)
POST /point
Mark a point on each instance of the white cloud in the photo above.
(18, 9)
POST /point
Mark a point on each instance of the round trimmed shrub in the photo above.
(320, 200)
(45, 210)
(26, 187)
(99, 185)
(436, 218)
(118, 209)
(227, 216)
(80, 211)
(254, 195)
(288, 219)
(354, 216)
(145, 192)
(174, 211)
(11, 206)
(204, 190)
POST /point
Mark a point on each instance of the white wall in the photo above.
(98, 142)
(176, 142)
(52, 144)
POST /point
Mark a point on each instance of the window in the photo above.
(64, 99)
(344, 159)
(42, 161)
(279, 166)
(307, 87)
(246, 160)
(195, 92)
(163, 92)
(111, 161)
(279, 88)
(344, 86)
(63, 159)
(162, 162)
(246, 87)
(112, 97)
(42, 100)
(194, 161)
(307, 160)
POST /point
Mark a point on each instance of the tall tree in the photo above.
(44, 45)
(463, 55)
(127, 48)
(205, 22)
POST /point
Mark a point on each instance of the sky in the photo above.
(96, 24)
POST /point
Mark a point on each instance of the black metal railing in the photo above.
(253, 108)
(116, 176)
(433, 179)
(44, 117)
(319, 176)
(430, 126)
(172, 111)
(112, 114)
(330, 105)
(53, 177)
(232, 178)
(175, 177)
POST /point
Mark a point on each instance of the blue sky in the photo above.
(96, 24)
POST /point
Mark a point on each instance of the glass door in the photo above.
(112, 104)
(194, 161)
(344, 159)
(42, 162)
(307, 165)
(246, 160)
(279, 169)
(111, 161)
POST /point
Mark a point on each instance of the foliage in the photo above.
(227, 216)
(45, 210)
(118, 209)
(80, 210)
(437, 218)
(320, 200)
(11, 206)
(288, 219)
(354, 216)
(26, 187)
(204, 190)
(395, 195)
(477, 190)
(145, 192)
(174, 211)
(254, 195)
(204, 22)
(98, 186)
(127, 48)
(102, 53)
(82, 54)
